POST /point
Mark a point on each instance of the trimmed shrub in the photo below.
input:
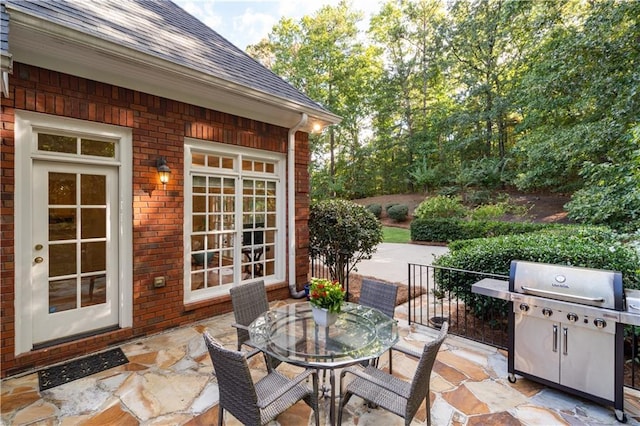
(399, 212)
(388, 206)
(441, 206)
(344, 233)
(590, 247)
(376, 209)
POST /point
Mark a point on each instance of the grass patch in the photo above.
(392, 234)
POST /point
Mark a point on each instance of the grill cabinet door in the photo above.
(534, 345)
(587, 363)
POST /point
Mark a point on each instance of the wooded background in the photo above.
(451, 96)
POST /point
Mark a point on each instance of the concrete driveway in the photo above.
(390, 260)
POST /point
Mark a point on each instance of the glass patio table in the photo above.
(290, 334)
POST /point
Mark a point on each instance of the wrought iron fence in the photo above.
(437, 294)
(442, 298)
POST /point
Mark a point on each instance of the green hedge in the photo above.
(592, 247)
(447, 230)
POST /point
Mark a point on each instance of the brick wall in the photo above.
(159, 126)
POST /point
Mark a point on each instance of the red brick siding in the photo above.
(159, 127)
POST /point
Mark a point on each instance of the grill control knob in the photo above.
(572, 317)
(599, 323)
(547, 312)
(524, 307)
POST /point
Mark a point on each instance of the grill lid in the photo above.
(586, 286)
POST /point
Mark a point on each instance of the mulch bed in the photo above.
(355, 283)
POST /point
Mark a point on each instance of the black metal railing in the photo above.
(437, 294)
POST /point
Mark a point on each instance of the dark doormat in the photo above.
(79, 368)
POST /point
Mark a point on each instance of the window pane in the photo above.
(62, 224)
(94, 256)
(97, 148)
(247, 165)
(227, 163)
(62, 259)
(94, 223)
(62, 295)
(62, 188)
(56, 143)
(93, 290)
(93, 190)
(197, 159)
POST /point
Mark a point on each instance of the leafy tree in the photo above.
(323, 56)
(344, 233)
(611, 194)
(579, 95)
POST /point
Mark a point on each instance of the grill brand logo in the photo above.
(560, 282)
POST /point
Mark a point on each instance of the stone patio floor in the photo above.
(169, 381)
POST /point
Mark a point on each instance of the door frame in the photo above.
(26, 123)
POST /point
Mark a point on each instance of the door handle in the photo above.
(38, 259)
(565, 340)
(555, 337)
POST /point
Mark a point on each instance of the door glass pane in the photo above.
(56, 143)
(62, 259)
(93, 190)
(62, 224)
(93, 256)
(94, 290)
(62, 295)
(62, 188)
(94, 223)
(98, 148)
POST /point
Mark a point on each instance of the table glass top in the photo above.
(290, 334)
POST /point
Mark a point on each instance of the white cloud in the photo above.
(253, 25)
(245, 22)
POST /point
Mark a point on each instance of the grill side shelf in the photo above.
(493, 288)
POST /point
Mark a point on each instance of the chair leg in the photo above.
(316, 413)
(220, 414)
(428, 402)
(390, 362)
(343, 401)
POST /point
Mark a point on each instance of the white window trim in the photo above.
(279, 174)
(25, 124)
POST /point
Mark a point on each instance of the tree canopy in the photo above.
(469, 95)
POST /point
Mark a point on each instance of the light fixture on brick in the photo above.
(163, 171)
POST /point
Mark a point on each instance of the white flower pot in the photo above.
(323, 317)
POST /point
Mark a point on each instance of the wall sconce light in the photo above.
(163, 171)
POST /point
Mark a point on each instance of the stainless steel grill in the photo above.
(566, 328)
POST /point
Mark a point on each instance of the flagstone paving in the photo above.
(169, 381)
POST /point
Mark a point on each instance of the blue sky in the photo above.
(247, 22)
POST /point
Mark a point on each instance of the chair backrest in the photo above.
(420, 383)
(248, 301)
(379, 295)
(236, 388)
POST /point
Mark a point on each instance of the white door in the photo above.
(74, 263)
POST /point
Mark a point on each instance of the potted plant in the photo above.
(326, 298)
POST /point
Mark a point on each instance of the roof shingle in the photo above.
(162, 29)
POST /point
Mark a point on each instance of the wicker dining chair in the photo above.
(381, 296)
(260, 402)
(249, 301)
(389, 392)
